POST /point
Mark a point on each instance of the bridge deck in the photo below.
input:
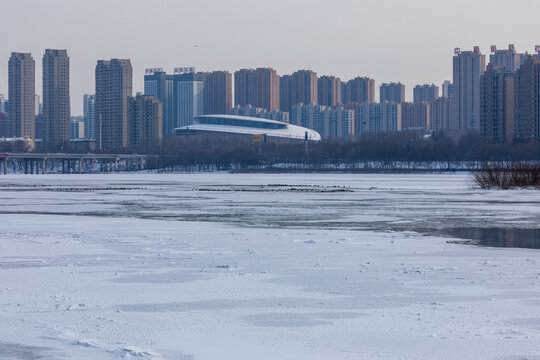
(72, 156)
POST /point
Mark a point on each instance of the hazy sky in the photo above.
(411, 41)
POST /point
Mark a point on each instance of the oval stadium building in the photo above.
(246, 125)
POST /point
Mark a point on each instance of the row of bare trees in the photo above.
(237, 151)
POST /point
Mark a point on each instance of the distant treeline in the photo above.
(238, 153)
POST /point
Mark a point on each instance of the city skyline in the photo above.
(425, 57)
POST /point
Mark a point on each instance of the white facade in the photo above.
(89, 115)
(189, 101)
(447, 88)
(308, 116)
(247, 125)
(252, 111)
(507, 58)
(379, 117)
(2, 104)
(37, 105)
(330, 122)
(76, 127)
(337, 123)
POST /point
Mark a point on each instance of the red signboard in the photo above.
(457, 51)
(493, 48)
(184, 70)
(511, 47)
(153, 71)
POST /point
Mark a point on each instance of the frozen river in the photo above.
(266, 266)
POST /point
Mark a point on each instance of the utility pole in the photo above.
(100, 132)
(306, 140)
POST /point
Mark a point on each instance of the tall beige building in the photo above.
(56, 102)
(415, 115)
(359, 90)
(393, 92)
(304, 87)
(258, 88)
(22, 90)
(441, 112)
(113, 90)
(329, 91)
(267, 89)
(217, 92)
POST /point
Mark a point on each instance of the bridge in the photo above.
(73, 163)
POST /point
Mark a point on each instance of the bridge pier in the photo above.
(44, 166)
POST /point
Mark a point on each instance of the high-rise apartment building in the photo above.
(509, 59)
(217, 92)
(267, 89)
(4, 125)
(497, 108)
(160, 85)
(329, 91)
(447, 88)
(145, 125)
(189, 101)
(304, 87)
(527, 101)
(337, 123)
(379, 117)
(186, 94)
(76, 127)
(285, 93)
(245, 87)
(56, 101)
(38, 106)
(259, 88)
(359, 90)
(331, 123)
(441, 113)
(113, 90)
(308, 115)
(468, 66)
(425, 92)
(415, 116)
(354, 106)
(89, 115)
(22, 90)
(393, 92)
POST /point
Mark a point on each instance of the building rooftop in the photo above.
(249, 126)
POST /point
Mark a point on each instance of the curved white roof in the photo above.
(248, 125)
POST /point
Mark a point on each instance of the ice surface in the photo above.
(259, 266)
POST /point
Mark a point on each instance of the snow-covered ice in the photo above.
(263, 266)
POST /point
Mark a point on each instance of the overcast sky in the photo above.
(389, 40)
